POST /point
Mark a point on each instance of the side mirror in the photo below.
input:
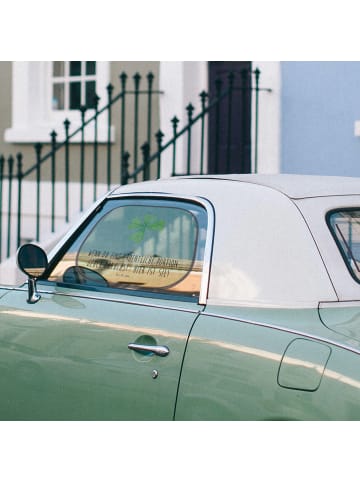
(32, 261)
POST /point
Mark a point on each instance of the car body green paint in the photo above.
(271, 334)
(67, 358)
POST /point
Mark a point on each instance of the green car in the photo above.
(230, 297)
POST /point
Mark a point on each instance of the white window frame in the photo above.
(33, 118)
(66, 80)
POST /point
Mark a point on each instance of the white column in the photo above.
(181, 83)
(269, 120)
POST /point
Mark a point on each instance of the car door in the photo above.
(107, 338)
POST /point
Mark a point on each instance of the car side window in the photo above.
(152, 245)
(345, 227)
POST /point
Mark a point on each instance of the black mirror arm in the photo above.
(33, 295)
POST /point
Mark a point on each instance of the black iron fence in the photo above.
(60, 164)
(53, 204)
(224, 94)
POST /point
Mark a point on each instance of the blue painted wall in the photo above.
(319, 106)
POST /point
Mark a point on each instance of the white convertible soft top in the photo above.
(296, 186)
(271, 244)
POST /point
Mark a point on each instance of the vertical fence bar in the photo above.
(96, 101)
(125, 168)
(10, 178)
(53, 178)
(123, 78)
(190, 110)
(175, 122)
(244, 143)
(110, 89)
(82, 157)
(229, 123)
(203, 96)
(19, 158)
(67, 125)
(146, 153)
(257, 77)
(38, 148)
(159, 136)
(218, 84)
(2, 162)
(137, 78)
(150, 78)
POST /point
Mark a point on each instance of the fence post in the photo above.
(123, 78)
(67, 125)
(190, 110)
(96, 102)
(159, 135)
(175, 122)
(245, 141)
(19, 212)
(110, 89)
(146, 154)
(10, 177)
(53, 178)
(218, 84)
(82, 157)
(150, 78)
(203, 97)
(137, 78)
(125, 168)
(38, 148)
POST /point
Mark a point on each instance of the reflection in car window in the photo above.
(154, 245)
(345, 227)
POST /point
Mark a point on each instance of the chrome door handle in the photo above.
(155, 349)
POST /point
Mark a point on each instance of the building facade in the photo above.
(297, 117)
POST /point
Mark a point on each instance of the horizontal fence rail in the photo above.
(46, 201)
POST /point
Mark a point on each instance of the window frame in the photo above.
(328, 216)
(33, 117)
(66, 79)
(59, 250)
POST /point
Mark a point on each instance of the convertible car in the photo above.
(230, 297)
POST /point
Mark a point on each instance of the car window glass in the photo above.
(139, 245)
(345, 227)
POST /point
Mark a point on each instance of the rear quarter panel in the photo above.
(233, 370)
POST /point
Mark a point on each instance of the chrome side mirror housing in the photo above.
(32, 260)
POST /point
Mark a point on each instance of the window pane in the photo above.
(90, 94)
(345, 227)
(90, 68)
(75, 68)
(159, 248)
(156, 250)
(75, 95)
(58, 97)
(58, 69)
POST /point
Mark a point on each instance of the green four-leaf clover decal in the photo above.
(141, 225)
